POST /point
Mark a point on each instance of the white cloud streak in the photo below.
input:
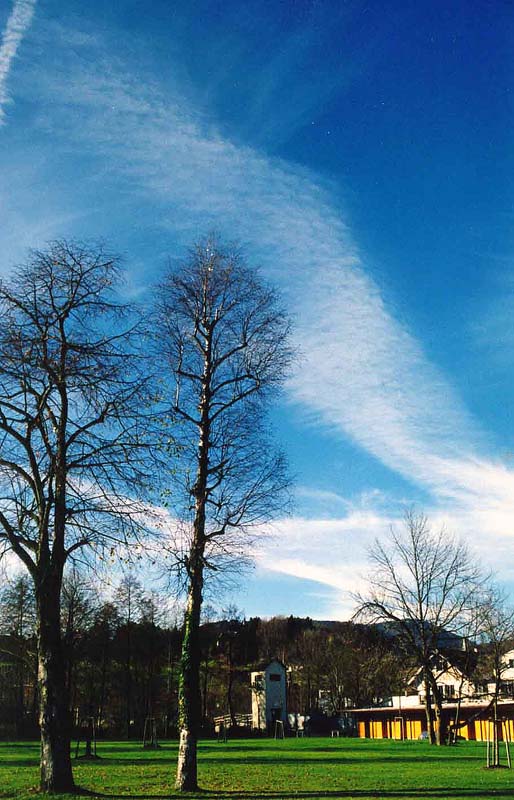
(331, 552)
(363, 373)
(15, 29)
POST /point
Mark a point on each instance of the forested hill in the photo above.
(122, 659)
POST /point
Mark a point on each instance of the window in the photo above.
(274, 676)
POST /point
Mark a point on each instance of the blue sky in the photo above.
(363, 155)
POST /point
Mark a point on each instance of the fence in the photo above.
(241, 720)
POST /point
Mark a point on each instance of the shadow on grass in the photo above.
(250, 762)
(342, 760)
(30, 743)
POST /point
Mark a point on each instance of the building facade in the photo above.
(269, 696)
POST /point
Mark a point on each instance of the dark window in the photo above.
(274, 676)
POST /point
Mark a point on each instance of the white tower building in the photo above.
(269, 696)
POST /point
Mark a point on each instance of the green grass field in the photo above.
(292, 768)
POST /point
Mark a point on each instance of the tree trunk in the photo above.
(189, 699)
(440, 720)
(169, 685)
(496, 737)
(454, 730)
(495, 760)
(189, 688)
(429, 711)
(128, 682)
(440, 723)
(205, 686)
(56, 772)
(230, 685)
(103, 681)
(34, 704)
(230, 701)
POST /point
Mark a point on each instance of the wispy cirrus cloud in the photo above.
(17, 24)
(363, 373)
(378, 386)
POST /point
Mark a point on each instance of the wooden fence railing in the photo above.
(241, 720)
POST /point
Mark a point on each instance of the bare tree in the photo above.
(127, 598)
(72, 444)
(467, 668)
(230, 627)
(423, 585)
(79, 603)
(497, 633)
(225, 338)
(361, 667)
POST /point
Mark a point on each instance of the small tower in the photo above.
(269, 696)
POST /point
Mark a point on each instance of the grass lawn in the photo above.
(291, 768)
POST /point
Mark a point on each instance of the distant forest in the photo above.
(122, 660)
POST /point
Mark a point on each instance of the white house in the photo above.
(450, 679)
(508, 666)
(507, 676)
(269, 697)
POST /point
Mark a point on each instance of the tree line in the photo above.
(122, 660)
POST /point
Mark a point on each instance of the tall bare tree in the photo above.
(423, 584)
(72, 446)
(126, 599)
(225, 338)
(496, 618)
(79, 603)
(230, 627)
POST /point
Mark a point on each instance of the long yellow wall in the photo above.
(389, 728)
(480, 729)
(484, 729)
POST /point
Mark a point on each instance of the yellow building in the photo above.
(410, 722)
